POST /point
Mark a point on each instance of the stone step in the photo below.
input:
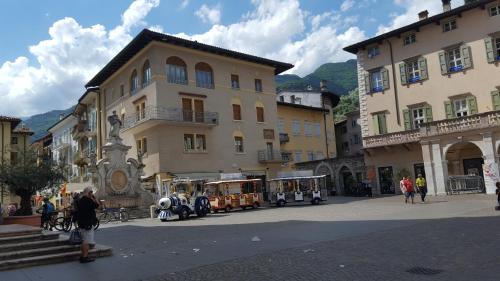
(18, 230)
(13, 255)
(26, 245)
(28, 238)
(98, 251)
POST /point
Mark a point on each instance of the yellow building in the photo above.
(14, 140)
(305, 126)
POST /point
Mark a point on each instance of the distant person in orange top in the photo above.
(410, 192)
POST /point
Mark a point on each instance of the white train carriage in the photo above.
(297, 190)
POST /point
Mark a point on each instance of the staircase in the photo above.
(24, 246)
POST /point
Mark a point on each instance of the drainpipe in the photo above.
(395, 84)
(324, 121)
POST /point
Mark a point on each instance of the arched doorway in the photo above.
(347, 182)
(465, 168)
(323, 169)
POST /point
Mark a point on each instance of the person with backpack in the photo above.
(86, 218)
(46, 211)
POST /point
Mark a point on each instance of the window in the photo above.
(345, 146)
(201, 143)
(497, 48)
(377, 81)
(258, 85)
(204, 76)
(317, 129)
(235, 81)
(13, 140)
(373, 51)
(188, 142)
(176, 71)
(238, 144)
(122, 90)
(379, 123)
(296, 127)
(356, 139)
(140, 111)
(298, 156)
(282, 98)
(142, 145)
(146, 74)
(343, 129)
(195, 143)
(460, 107)
(310, 155)
(308, 129)
(260, 114)
(418, 117)
(134, 83)
(281, 126)
(454, 60)
(236, 112)
(412, 71)
(495, 11)
(354, 122)
(410, 39)
(449, 25)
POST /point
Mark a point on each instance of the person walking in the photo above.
(46, 210)
(86, 218)
(402, 187)
(410, 192)
(497, 192)
(421, 187)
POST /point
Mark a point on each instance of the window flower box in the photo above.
(414, 79)
(456, 68)
(377, 89)
(498, 58)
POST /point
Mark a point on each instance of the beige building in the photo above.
(429, 97)
(190, 109)
(348, 135)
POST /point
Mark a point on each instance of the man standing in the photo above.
(86, 217)
(421, 187)
(410, 192)
(403, 188)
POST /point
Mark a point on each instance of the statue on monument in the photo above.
(116, 124)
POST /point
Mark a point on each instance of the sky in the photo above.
(49, 49)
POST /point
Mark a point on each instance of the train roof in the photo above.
(298, 178)
(232, 181)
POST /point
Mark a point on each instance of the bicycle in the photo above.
(109, 214)
(69, 220)
(52, 222)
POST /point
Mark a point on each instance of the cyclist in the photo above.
(47, 211)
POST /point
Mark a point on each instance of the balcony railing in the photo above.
(177, 115)
(436, 128)
(284, 138)
(286, 156)
(267, 156)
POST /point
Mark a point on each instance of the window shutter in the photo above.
(402, 73)
(495, 98)
(383, 124)
(466, 55)
(385, 78)
(444, 64)
(367, 83)
(472, 104)
(407, 119)
(376, 127)
(422, 64)
(428, 114)
(490, 54)
(448, 108)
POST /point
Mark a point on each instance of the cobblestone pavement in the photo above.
(457, 238)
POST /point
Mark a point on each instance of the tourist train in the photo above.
(297, 187)
(234, 194)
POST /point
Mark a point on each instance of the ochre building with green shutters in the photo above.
(430, 102)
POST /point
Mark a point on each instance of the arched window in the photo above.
(204, 75)
(134, 83)
(146, 74)
(176, 71)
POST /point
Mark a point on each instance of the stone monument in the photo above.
(116, 178)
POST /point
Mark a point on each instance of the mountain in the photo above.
(41, 122)
(341, 76)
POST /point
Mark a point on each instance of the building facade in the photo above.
(188, 109)
(348, 135)
(429, 98)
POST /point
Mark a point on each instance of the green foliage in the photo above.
(28, 175)
(348, 103)
(342, 78)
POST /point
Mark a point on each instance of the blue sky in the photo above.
(50, 48)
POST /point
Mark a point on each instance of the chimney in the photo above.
(446, 5)
(61, 116)
(322, 86)
(423, 15)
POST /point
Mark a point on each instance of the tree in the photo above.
(27, 175)
(348, 103)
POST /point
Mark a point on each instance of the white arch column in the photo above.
(440, 166)
(429, 168)
(490, 167)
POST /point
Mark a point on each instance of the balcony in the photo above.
(284, 138)
(436, 128)
(175, 116)
(79, 130)
(266, 156)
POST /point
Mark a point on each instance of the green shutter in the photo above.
(402, 73)
(444, 64)
(428, 114)
(367, 83)
(490, 54)
(466, 56)
(472, 104)
(407, 119)
(448, 108)
(376, 127)
(382, 122)
(495, 99)
(385, 78)
(422, 64)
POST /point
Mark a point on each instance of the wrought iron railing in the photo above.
(465, 184)
(171, 115)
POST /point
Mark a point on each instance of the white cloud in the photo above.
(346, 5)
(276, 29)
(410, 15)
(71, 56)
(184, 4)
(210, 15)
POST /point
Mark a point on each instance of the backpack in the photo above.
(50, 208)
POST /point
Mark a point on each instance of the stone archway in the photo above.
(325, 169)
(344, 179)
(464, 164)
